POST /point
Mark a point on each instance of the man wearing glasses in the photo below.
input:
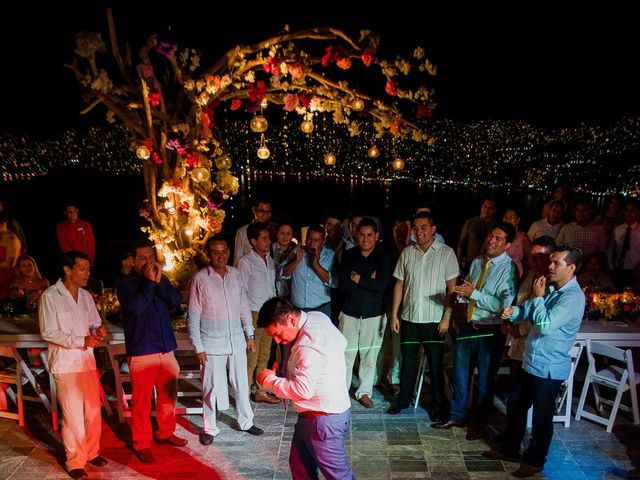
(489, 287)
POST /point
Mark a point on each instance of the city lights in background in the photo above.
(512, 154)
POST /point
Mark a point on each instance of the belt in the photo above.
(486, 327)
(311, 414)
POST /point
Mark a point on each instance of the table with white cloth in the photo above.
(23, 331)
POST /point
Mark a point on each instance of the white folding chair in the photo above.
(187, 374)
(563, 406)
(11, 375)
(117, 356)
(620, 378)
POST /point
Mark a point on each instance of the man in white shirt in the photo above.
(219, 321)
(261, 210)
(551, 224)
(316, 384)
(70, 323)
(258, 275)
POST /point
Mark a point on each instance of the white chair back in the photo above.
(620, 378)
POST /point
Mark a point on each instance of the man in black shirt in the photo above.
(363, 277)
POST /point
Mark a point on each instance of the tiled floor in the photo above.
(380, 446)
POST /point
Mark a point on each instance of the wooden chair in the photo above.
(619, 377)
(11, 375)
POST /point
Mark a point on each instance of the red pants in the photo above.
(159, 370)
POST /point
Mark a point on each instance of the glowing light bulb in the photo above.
(398, 164)
(357, 105)
(307, 126)
(258, 124)
(373, 152)
(223, 162)
(263, 151)
(330, 159)
(143, 152)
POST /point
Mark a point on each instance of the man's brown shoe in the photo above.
(498, 455)
(526, 470)
(173, 441)
(264, 397)
(365, 401)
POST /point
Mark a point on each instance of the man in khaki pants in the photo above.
(258, 275)
(70, 323)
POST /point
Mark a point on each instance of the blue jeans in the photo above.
(482, 349)
(319, 443)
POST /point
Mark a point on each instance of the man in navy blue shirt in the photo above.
(147, 299)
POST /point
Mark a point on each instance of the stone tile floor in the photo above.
(380, 447)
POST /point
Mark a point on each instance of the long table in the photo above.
(23, 331)
(611, 333)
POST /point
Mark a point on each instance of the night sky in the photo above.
(551, 63)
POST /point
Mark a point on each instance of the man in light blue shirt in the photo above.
(556, 315)
(310, 273)
(489, 287)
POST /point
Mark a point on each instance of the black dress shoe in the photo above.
(474, 432)
(498, 455)
(394, 410)
(98, 461)
(78, 473)
(205, 439)
(448, 424)
(253, 430)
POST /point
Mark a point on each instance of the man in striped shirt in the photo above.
(426, 274)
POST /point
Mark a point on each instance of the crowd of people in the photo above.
(349, 312)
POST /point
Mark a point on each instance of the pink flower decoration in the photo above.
(290, 102)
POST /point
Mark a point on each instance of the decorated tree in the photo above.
(170, 103)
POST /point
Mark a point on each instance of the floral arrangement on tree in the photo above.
(170, 105)
(611, 306)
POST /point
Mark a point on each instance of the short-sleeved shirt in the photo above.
(425, 276)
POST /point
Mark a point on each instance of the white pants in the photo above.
(364, 336)
(79, 398)
(215, 392)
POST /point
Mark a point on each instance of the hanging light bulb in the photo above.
(258, 124)
(223, 162)
(330, 159)
(306, 126)
(357, 105)
(373, 152)
(264, 102)
(398, 164)
(200, 174)
(143, 152)
(263, 151)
